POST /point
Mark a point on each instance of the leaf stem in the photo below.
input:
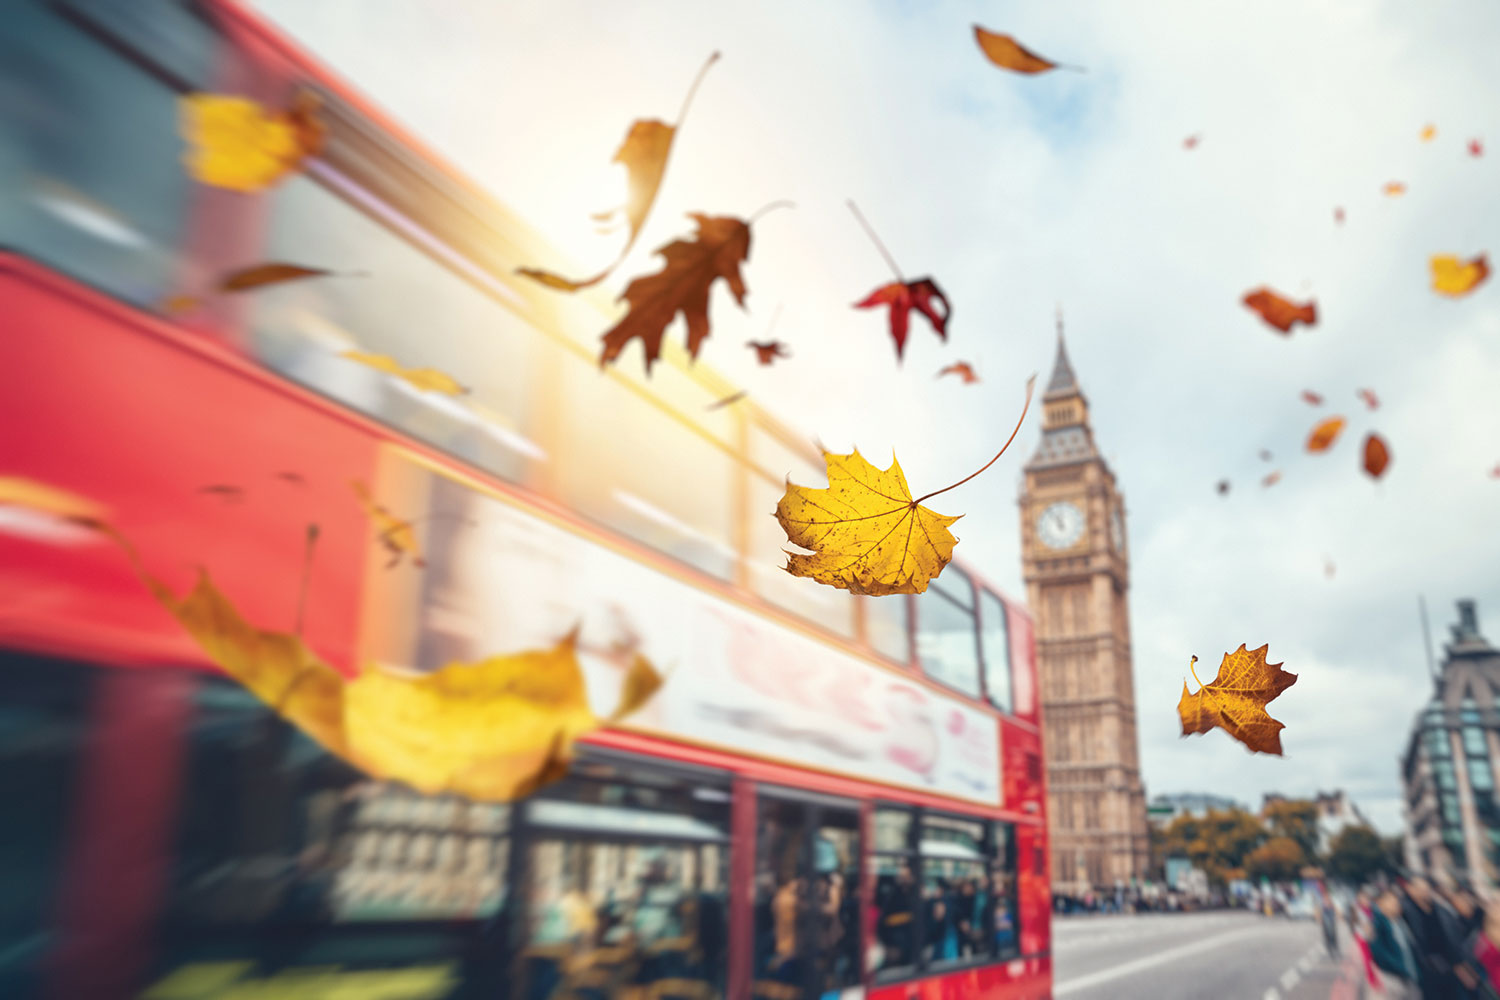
(312, 541)
(1030, 385)
(694, 89)
(783, 203)
(774, 317)
(870, 231)
(1195, 673)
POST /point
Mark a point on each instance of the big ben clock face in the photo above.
(1060, 525)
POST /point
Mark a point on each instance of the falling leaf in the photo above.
(426, 379)
(295, 478)
(268, 274)
(1311, 398)
(1236, 700)
(236, 143)
(397, 536)
(1280, 312)
(1454, 277)
(233, 494)
(962, 369)
(1272, 479)
(1223, 487)
(902, 296)
(177, 305)
(1368, 395)
(1476, 148)
(1429, 132)
(768, 351)
(644, 154)
(866, 533)
(1265, 456)
(1007, 53)
(1191, 142)
(1323, 435)
(1377, 455)
(729, 400)
(1328, 567)
(1394, 189)
(1495, 472)
(1338, 215)
(682, 285)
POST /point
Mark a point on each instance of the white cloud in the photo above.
(1018, 193)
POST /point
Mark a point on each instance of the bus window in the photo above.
(627, 888)
(999, 914)
(888, 625)
(895, 947)
(406, 306)
(945, 632)
(955, 876)
(994, 644)
(91, 174)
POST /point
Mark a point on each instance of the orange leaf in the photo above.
(682, 285)
(768, 351)
(1323, 435)
(1236, 700)
(644, 154)
(1453, 277)
(1007, 53)
(1370, 399)
(1272, 479)
(1280, 312)
(426, 379)
(1377, 455)
(1394, 189)
(1311, 398)
(236, 143)
(962, 369)
(1429, 132)
(268, 274)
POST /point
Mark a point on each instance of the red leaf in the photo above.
(962, 369)
(1280, 312)
(1338, 215)
(902, 297)
(1476, 148)
(1191, 142)
(768, 351)
(1272, 479)
(1311, 398)
(1368, 395)
(1377, 455)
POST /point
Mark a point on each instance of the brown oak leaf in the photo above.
(1235, 701)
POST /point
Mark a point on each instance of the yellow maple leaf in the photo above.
(1453, 276)
(236, 143)
(1236, 700)
(1429, 132)
(426, 379)
(866, 533)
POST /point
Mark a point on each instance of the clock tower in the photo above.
(1077, 570)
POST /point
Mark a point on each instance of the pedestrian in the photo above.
(1486, 953)
(1361, 928)
(1329, 917)
(1391, 947)
(1437, 937)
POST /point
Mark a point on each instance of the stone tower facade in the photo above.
(1077, 569)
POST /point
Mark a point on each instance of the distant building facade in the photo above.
(1077, 570)
(1449, 768)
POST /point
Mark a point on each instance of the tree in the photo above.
(1295, 819)
(1355, 854)
(1278, 859)
(1216, 842)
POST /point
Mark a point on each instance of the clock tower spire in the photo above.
(1077, 571)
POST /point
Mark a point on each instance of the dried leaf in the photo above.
(1476, 148)
(1223, 487)
(1370, 399)
(295, 478)
(236, 143)
(1311, 398)
(644, 153)
(962, 369)
(1323, 435)
(1454, 277)
(233, 494)
(1272, 479)
(865, 532)
(682, 285)
(640, 685)
(1265, 456)
(1428, 133)
(1377, 455)
(44, 498)
(1236, 700)
(1328, 567)
(1007, 53)
(1191, 142)
(1495, 472)
(397, 536)
(902, 297)
(768, 351)
(729, 400)
(1394, 189)
(1338, 215)
(1280, 312)
(426, 379)
(268, 274)
(178, 305)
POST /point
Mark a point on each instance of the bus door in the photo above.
(807, 897)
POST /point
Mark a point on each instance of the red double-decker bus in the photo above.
(831, 795)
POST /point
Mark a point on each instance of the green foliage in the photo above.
(1356, 853)
(1278, 859)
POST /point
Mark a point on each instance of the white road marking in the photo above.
(1272, 994)
(1306, 963)
(1290, 978)
(1149, 961)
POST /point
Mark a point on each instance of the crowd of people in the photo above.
(1418, 941)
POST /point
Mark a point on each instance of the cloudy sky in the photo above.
(1020, 193)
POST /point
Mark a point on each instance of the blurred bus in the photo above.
(832, 795)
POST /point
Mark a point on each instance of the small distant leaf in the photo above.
(1476, 148)
(1007, 53)
(233, 494)
(962, 369)
(1236, 700)
(397, 536)
(902, 297)
(1272, 479)
(1280, 312)
(295, 478)
(1265, 456)
(729, 400)
(1328, 567)
(1454, 277)
(1323, 435)
(1495, 472)
(1377, 455)
(1338, 215)
(268, 274)
(1311, 398)
(1394, 189)
(1370, 399)
(720, 246)
(177, 305)
(1223, 487)
(768, 351)
(236, 143)
(1429, 132)
(1191, 142)
(426, 379)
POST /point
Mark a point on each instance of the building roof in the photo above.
(1063, 381)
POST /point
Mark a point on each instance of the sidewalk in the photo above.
(1316, 976)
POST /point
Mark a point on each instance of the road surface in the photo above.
(1233, 955)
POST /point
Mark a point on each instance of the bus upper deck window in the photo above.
(994, 643)
(946, 641)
